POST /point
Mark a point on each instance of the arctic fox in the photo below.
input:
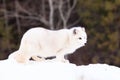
(46, 43)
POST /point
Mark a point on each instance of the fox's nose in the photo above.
(85, 43)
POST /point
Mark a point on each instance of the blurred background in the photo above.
(101, 18)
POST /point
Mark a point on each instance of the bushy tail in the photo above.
(12, 55)
(18, 56)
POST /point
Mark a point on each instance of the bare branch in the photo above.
(59, 24)
(43, 8)
(47, 14)
(17, 18)
(70, 9)
(65, 14)
(20, 8)
(62, 14)
(51, 14)
(72, 24)
(39, 17)
(5, 13)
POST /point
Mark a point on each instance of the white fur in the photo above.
(45, 43)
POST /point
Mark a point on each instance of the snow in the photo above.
(98, 72)
(53, 70)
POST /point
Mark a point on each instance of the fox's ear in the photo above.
(83, 29)
(75, 31)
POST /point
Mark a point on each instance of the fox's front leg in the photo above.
(61, 58)
(36, 58)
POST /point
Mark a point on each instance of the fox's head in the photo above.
(79, 36)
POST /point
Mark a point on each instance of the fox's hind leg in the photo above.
(21, 58)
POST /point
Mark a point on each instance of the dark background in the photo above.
(101, 18)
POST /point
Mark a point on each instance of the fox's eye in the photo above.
(80, 38)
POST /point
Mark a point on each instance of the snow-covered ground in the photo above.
(98, 72)
(52, 70)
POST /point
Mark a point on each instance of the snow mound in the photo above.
(46, 70)
(98, 72)
(52, 70)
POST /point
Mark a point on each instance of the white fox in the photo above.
(46, 43)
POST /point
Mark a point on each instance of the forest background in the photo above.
(101, 19)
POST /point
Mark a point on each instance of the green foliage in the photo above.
(6, 38)
(102, 20)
